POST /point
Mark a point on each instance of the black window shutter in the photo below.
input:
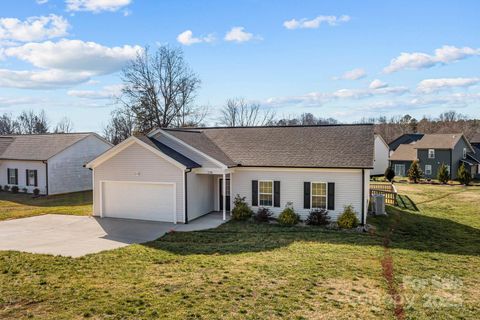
(16, 176)
(331, 196)
(26, 177)
(36, 178)
(8, 176)
(254, 193)
(306, 195)
(276, 193)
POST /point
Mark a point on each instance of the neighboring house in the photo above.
(177, 175)
(433, 150)
(52, 163)
(475, 141)
(404, 139)
(381, 154)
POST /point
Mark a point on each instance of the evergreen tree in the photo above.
(389, 174)
(443, 175)
(415, 173)
(463, 175)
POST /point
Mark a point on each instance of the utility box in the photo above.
(378, 205)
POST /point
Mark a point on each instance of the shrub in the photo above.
(1, 188)
(288, 217)
(36, 191)
(25, 190)
(6, 188)
(241, 210)
(318, 217)
(389, 174)
(348, 219)
(415, 173)
(443, 174)
(262, 215)
(464, 175)
(14, 189)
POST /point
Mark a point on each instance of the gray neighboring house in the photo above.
(433, 150)
(51, 163)
(177, 175)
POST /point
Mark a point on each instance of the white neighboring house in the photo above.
(380, 163)
(52, 163)
(177, 175)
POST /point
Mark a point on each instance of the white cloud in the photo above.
(377, 84)
(238, 34)
(354, 74)
(74, 56)
(33, 28)
(419, 60)
(187, 38)
(42, 1)
(8, 102)
(40, 79)
(107, 92)
(96, 6)
(316, 22)
(434, 85)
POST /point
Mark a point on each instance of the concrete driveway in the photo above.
(76, 236)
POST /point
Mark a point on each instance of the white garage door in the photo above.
(144, 201)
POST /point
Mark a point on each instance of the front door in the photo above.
(220, 185)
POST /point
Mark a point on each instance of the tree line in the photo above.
(31, 122)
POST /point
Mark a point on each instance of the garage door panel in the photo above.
(144, 201)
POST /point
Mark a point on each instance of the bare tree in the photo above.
(8, 125)
(159, 89)
(31, 123)
(238, 113)
(121, 126)
(65, 125)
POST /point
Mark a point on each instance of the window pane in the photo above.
(319, 189)
(319, 202)
(266, 187)
(265, 199)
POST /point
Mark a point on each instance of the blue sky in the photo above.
(342, 59)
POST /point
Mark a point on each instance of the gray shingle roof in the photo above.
(475, 138)
(37, 147)
(329, 146)
(189, 163)
(439, 141)
(404, 152)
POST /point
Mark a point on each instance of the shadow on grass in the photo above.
(405, 202)
(68, 199)
(413, 232)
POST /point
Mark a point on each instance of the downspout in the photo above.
(46, 176)
(363, 196)
(186, 196)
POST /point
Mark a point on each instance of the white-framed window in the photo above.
(464, 153)
(12, 176)
(318, 194)
(399, 170)
(448, 168)
(428, 169)
(32, 178)
(265, 193)
(431, 153)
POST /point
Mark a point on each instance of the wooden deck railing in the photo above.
(388, 190)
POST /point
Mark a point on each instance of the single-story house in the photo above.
(178, 175)
(51, 163)
(381, 154)
(433, 150)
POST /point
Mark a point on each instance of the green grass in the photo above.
(21, 205)
(245, 270)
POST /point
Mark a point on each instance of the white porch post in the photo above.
(224, 196)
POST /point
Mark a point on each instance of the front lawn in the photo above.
(425, 268)
(23, 205)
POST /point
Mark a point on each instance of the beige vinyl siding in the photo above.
(186, 151)
(135, 163)
(22, 166)
(348, 186)
(200, 194)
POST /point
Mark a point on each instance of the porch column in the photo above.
(224, 197)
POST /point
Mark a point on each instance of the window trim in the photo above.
(433, 154)
(400, 165)
(428, 165)
(311, 195)
(28, 177)
(464, 153)
(10, 170)
(259, 193)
